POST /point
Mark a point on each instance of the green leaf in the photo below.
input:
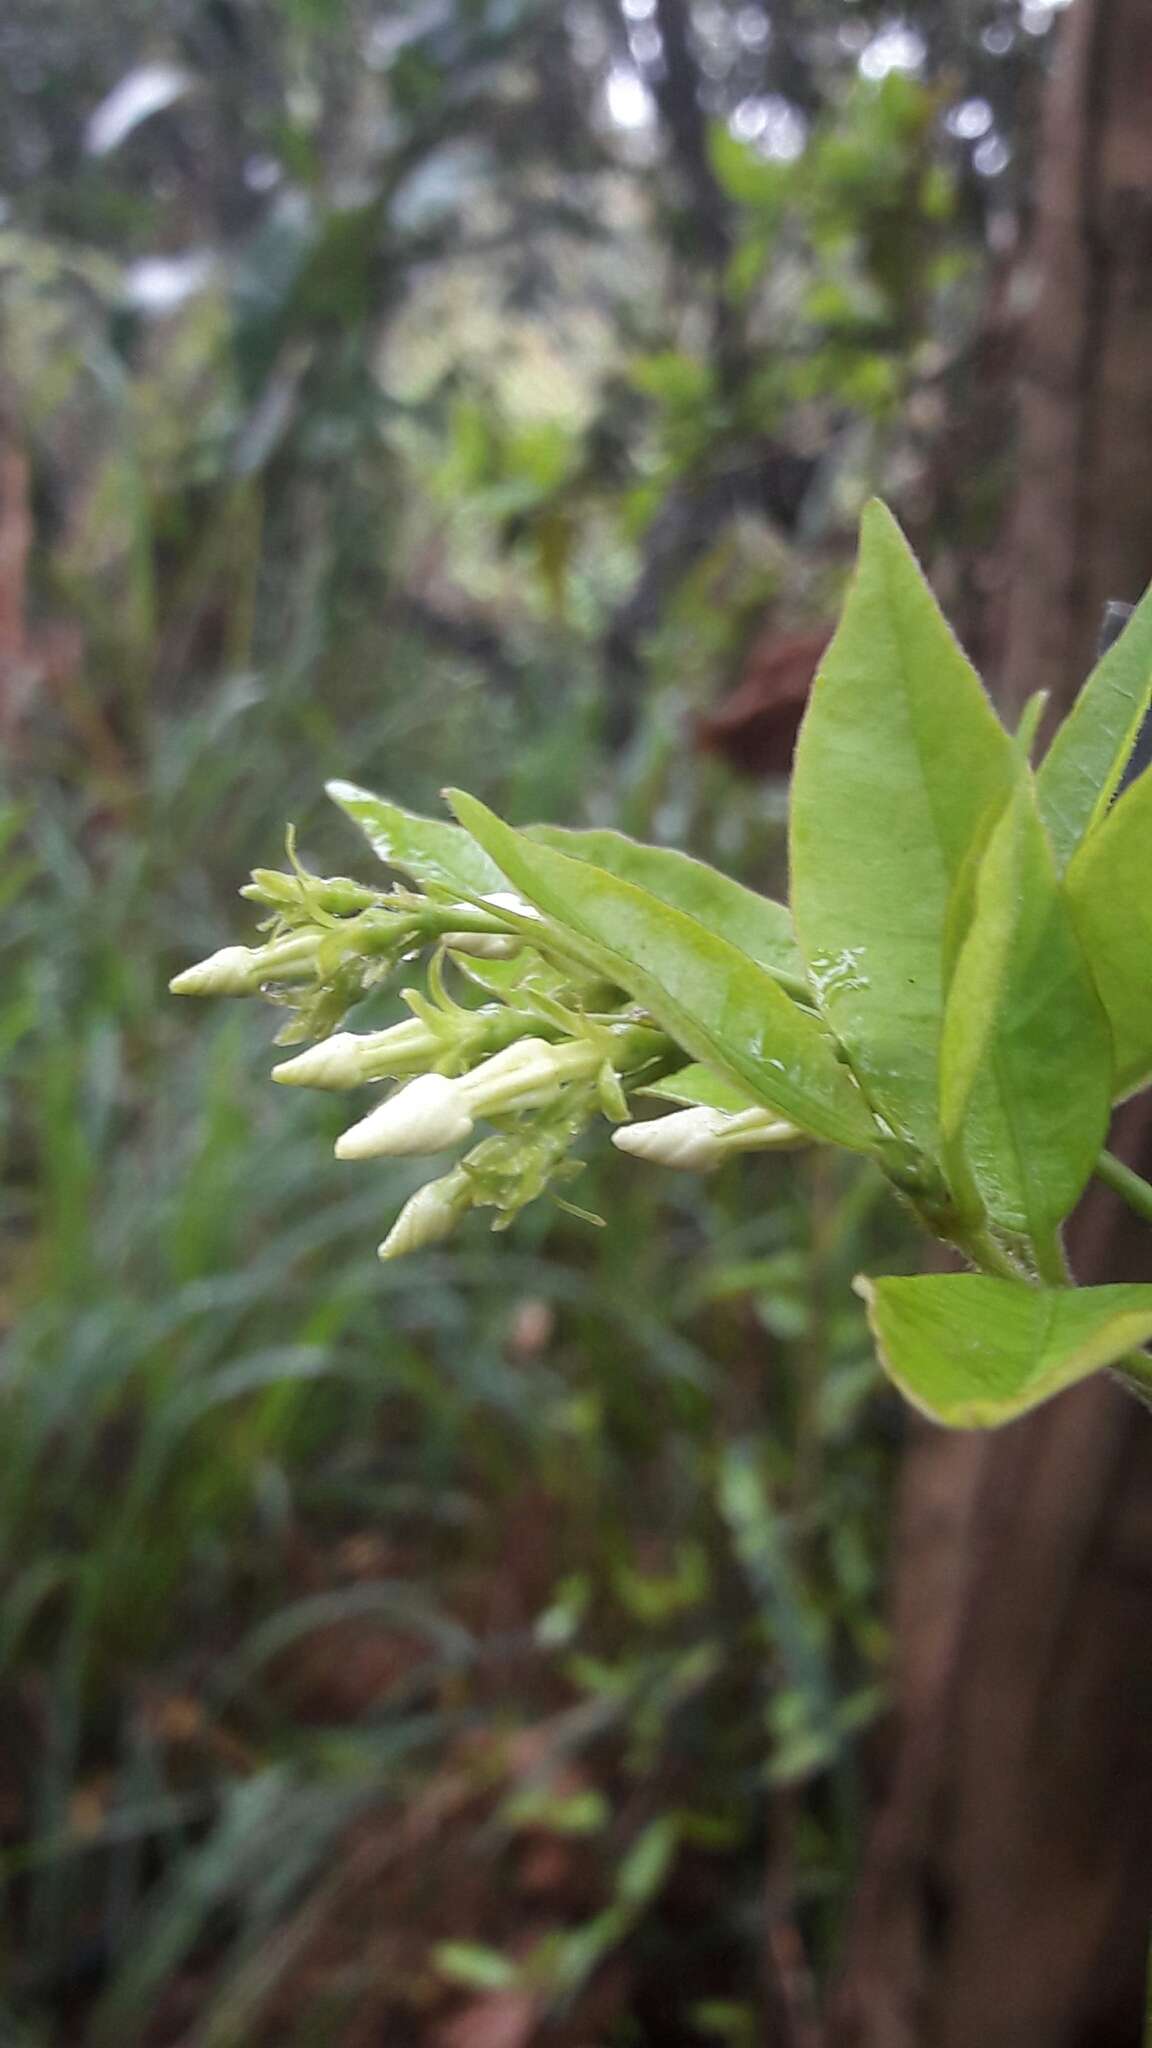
(480, 1968)
(715, 1002)
(1082, 768)
(901, 760)
(698, 1087)
(425, 848)
(648, 1861)
(974, 1352)
(1111, 901)
(744, 175)
(1026, 1053)
(760, 927)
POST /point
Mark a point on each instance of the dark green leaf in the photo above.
(715, 1002)
(901, 762)
(974, 1352)
(1082, 768)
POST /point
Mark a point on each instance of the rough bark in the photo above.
(1082, 528)
(1006, 1892)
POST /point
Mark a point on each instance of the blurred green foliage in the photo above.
(213, 1399)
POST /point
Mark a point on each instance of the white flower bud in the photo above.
(349, 1058)
(428, 1217)
(427, 1115)
(492, 945)
(699, 1140)
(757, 1130)
(233, 971)
(334, 1063)
(686, 1140)
(483, 945)
(526, 1075)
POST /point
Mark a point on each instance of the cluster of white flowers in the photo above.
(537, 1063)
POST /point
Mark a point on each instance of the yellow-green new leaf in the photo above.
(425, 848)
(698, 1087)
(1110, 893)
(973, 1352)
(900, 763)
(715, 1002)
(1082, 769)
(760, 927)
(1026, 1052)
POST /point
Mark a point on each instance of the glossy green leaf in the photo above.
(1110, 892)
(1082, 769)
(425, 848)
(901, 762)
(699, 1087)
(1026, 1053)
(974, 1352)
(715, 1002)
(760, 927)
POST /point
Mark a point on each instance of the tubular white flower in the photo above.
(350, 1057)
(427, 1115)
(233, 971)
(699, 1140)
(428, 1217)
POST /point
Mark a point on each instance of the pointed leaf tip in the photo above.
(901, 761)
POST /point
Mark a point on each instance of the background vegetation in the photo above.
(490, 1649)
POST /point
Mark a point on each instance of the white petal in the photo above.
(686, 1140)
(337, 1062)
(426, 1116)
(524, 1076)
(350, 1057)
(428, 1217)
(230, 972)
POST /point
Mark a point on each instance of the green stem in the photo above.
(1128, 1185)
(1136, 1369)
(987, 1256)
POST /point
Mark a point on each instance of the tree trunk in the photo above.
(1082, 530)
(1005, 1896)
